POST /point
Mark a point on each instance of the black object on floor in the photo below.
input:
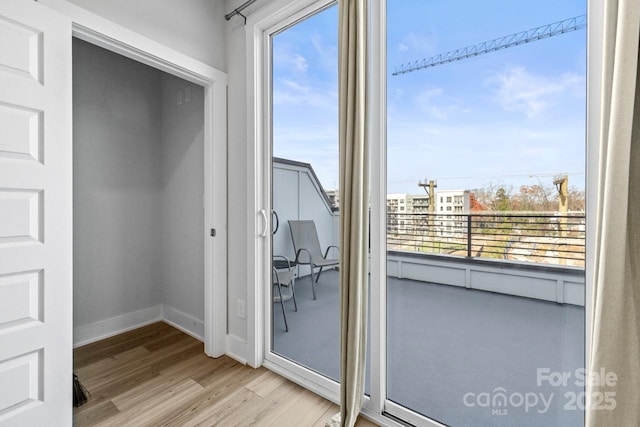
(80, 393)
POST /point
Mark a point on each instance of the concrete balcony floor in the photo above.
(451, 351)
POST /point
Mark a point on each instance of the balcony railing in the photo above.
(546, 238)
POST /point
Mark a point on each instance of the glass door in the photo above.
(305, 320)
(485, 215)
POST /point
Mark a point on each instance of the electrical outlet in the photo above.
(241, 310)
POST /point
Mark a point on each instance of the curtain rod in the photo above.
(238, 11)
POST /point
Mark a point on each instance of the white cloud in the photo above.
(289, 92)
(436, 104)
(416, 44)
(519, 90)
(292, 60)
(327, 53)
(433, 92)
(299, 62)
(312, 142)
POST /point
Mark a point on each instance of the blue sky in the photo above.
(511, 117)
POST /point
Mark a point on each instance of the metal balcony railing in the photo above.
(546, 238)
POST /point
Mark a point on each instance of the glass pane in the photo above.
(485, 210)
(304, 193)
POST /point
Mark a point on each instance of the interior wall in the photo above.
(117, 193)
(182, 211)
(239, 219)
(138, 195)
(237, 172)
(192, 27)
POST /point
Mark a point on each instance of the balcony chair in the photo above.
(283, 276)
(307, 249)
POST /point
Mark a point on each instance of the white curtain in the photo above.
(354, 205)
(615, 334)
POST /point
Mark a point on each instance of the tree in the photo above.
(475, 205)
(494, 197)
(535, 198)
(502, 201)
(576, 200)
(529, 198)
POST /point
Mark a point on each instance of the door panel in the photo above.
(35, 216)
(304, 165)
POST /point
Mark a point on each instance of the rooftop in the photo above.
(445, 342)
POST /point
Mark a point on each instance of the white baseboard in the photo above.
(236, 347)
(96, 331)
(186, 323)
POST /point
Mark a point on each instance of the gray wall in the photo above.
(192, 27)
(296, 195)
(182, 153)
(116, 115)
(138, 188)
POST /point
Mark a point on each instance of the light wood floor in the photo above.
(159, 376)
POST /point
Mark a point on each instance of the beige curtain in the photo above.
(354, 205)
(615, 330)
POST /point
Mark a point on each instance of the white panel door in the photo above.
(35, 216)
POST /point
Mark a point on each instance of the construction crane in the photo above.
(528, 36)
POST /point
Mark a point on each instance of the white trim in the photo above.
(377, 418)
(595, 36)
(183, 321)
(377, 190)
(235, 348)
(317, 383)
(215, 213)
(106, 328)
(104, 33)
(109, 35)
(409, 416)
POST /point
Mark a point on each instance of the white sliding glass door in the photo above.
(304, 299)
(485, 212)
(477, 249)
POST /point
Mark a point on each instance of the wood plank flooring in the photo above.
(160, 376)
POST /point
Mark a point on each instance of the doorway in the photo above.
(139, 243)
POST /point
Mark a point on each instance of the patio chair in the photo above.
(283, 276)
(307, 249)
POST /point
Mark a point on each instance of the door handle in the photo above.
(266, 223)
(277, 221)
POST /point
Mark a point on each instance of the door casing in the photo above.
(108, 35)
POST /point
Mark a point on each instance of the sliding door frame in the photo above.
(261, 26)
